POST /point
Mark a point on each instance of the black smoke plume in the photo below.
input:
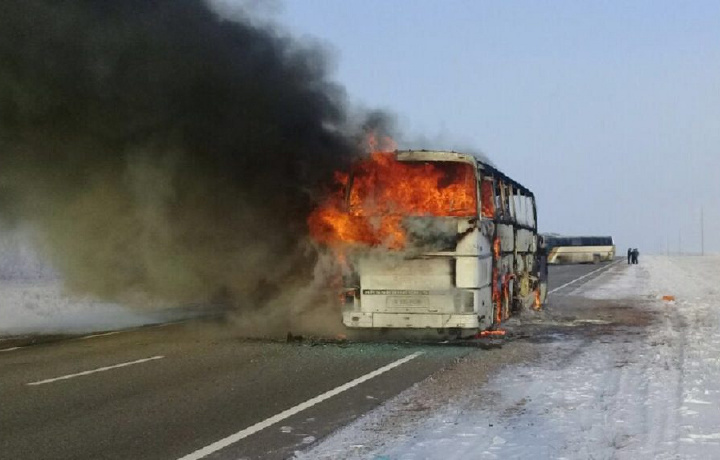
(161, 152)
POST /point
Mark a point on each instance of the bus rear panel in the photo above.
(467, 271)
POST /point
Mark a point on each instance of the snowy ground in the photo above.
(32, 299)
(43, 307)
(644, 383)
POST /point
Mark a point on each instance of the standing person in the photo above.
(635, 255)
(630, 253)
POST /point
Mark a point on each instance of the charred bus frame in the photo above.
(493, 271)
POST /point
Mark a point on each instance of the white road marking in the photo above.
(10, 349)
(232, 439)
(99, 369)
(585, 276)
(103, 334)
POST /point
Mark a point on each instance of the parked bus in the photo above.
(579, 249)
(475, 258)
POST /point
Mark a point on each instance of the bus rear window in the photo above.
(385, 186)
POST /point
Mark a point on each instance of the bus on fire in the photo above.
(432, 240)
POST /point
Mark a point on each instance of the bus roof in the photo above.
(558, 240)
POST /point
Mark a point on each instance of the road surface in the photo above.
(196, 390)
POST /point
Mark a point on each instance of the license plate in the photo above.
(408, 301)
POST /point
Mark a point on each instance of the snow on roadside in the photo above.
(32, 299)
(694, 281)
(640, 396)
(43, 308)
(619, 283)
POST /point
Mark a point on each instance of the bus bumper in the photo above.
(410, 320)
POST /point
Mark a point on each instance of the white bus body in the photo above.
(490, 271)
(580, 249)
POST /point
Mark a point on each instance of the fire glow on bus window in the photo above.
(385, 186)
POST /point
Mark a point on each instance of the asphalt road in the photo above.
(168, 392)
(563, 277)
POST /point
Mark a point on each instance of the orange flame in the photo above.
(493, 333)
(537, 306)
(496, 296)
(496, 288)
(368, 207)
(487, 198)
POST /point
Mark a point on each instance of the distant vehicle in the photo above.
(475, 259)
(579, 249)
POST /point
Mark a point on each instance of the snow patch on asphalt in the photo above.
(648, 395)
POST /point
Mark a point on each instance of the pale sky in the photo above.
(608, 111)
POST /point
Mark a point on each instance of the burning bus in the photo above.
(431, 240)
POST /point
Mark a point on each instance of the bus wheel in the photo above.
(516, 308)
(596, 259)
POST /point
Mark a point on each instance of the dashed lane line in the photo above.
(102, 334)
(94, 371)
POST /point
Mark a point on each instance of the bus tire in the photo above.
(596, 259)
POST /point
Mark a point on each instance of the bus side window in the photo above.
(499, 208)
(487, 197)
(533, 213)
(505, 199)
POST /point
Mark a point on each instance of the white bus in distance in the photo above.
(579, 249)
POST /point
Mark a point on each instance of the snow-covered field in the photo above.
(43, 307)
(32, 299)
(647, 391)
